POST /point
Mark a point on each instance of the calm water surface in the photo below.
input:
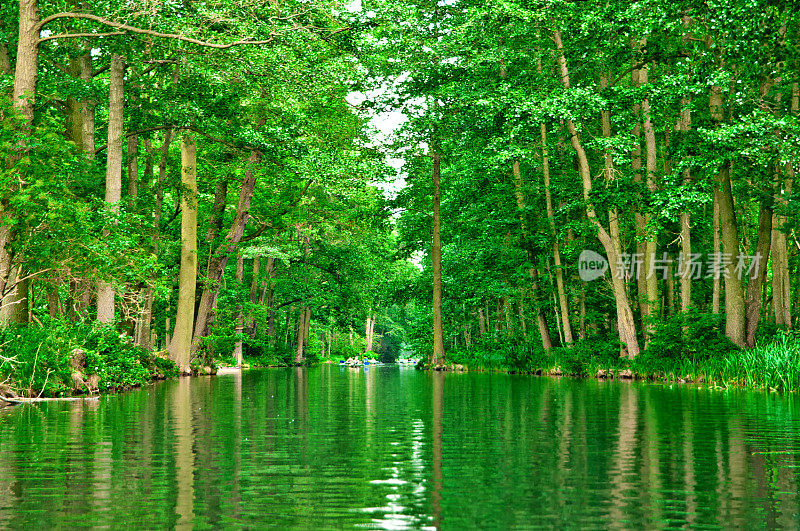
(390, 447)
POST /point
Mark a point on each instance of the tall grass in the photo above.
(704, 355)
(770, 365)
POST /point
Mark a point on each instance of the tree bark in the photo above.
(303, 327)
(133, 166)
(5, 62)
(105, 291)
(253, 298)
(626, 324)
(27, 65)
(651, 239)
(238, 348)
(781, 292)
(716, 293)
(755, 287)
(684, 124)
(219, 258)
(180, 346)
(560, 289)
(436, 258)
(368, 330)
(642, 219)
(269, 298)
(734, 292)
(25, 77)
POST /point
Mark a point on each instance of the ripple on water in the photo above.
(390, 448)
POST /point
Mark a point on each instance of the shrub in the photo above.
(38, 360)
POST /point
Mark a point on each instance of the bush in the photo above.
(40, 360)
(684, 343)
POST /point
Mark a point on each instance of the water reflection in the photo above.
(184, 453)
(395, 448)
(438, 399)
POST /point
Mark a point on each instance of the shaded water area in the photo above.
(390, 447)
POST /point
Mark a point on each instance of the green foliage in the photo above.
(685, 340)
(38, 360)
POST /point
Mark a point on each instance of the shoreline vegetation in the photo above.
(71, 360)
(684, 350)
(738, 369)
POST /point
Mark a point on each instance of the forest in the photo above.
(591, 188)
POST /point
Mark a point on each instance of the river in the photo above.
(389, 448)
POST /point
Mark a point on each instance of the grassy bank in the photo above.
(66, 359)
(695, 351)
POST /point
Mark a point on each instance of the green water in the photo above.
(391, 447)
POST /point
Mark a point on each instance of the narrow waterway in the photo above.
(391, 447)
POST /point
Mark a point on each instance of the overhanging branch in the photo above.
(78, 35)
(152, 33)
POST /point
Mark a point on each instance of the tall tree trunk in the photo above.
(133, 166)
(734, 292)
(180, 346)
(651, 240)
(544, 331)
(303, 326)
(781, 292)
(759, 270)
(27, 65)
(684, 124)
(144, 339)
(237, 349)
(5, 62)
(368, 330)
(563, 303)
(641, 218)
(519, 193)
(253, 298)
(716, 293)
(627, 326)
(219, 258)
(269, 299)
(436, 257)
(540, 318)
(25, 77)
(105, 291)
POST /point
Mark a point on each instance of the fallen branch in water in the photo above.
(21, 400)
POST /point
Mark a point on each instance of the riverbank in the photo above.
(773, 364)
(74, 359)
(65, 360)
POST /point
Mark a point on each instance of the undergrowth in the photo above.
(689, 348)
(38, 361)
